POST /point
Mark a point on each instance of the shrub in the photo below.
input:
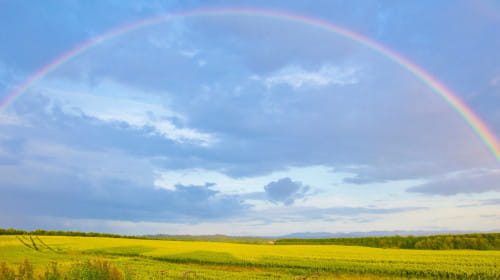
(51, 273)
(25, 271)
(6, 273)
(95, 270)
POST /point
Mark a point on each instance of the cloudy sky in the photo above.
(244, 124)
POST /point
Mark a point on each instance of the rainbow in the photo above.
(479, 127)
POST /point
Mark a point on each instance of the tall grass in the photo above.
(6, 272)
(87, 270)
(94, 270)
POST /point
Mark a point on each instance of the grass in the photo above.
(161, 259)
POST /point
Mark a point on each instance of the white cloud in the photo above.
(328, 187)
(297, 77)
(319, 177)
(114, 103)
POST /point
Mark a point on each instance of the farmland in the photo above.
(165, 259)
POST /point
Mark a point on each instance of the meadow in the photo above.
(64, 257)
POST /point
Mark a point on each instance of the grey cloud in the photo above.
(496, 217)
(483, 202)
(298, 130)
(471, 181)
(297, 214)
(390, 172)
(60, 175)
(494, 201)
(256, 35)
(58, 27)
(285, 191)
(373, 123)
(74, 197)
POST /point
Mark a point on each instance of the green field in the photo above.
(162, 259)
(476, 241)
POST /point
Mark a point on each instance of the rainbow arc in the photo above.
(467, 114)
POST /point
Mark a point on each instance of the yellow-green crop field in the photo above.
(161, 259)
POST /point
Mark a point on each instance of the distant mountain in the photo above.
(309, 235)
(313, 235)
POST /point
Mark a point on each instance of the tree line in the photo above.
(42, 232)
(475, 241)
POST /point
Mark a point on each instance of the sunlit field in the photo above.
(160, 259)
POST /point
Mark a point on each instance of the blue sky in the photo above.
(246, 125)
